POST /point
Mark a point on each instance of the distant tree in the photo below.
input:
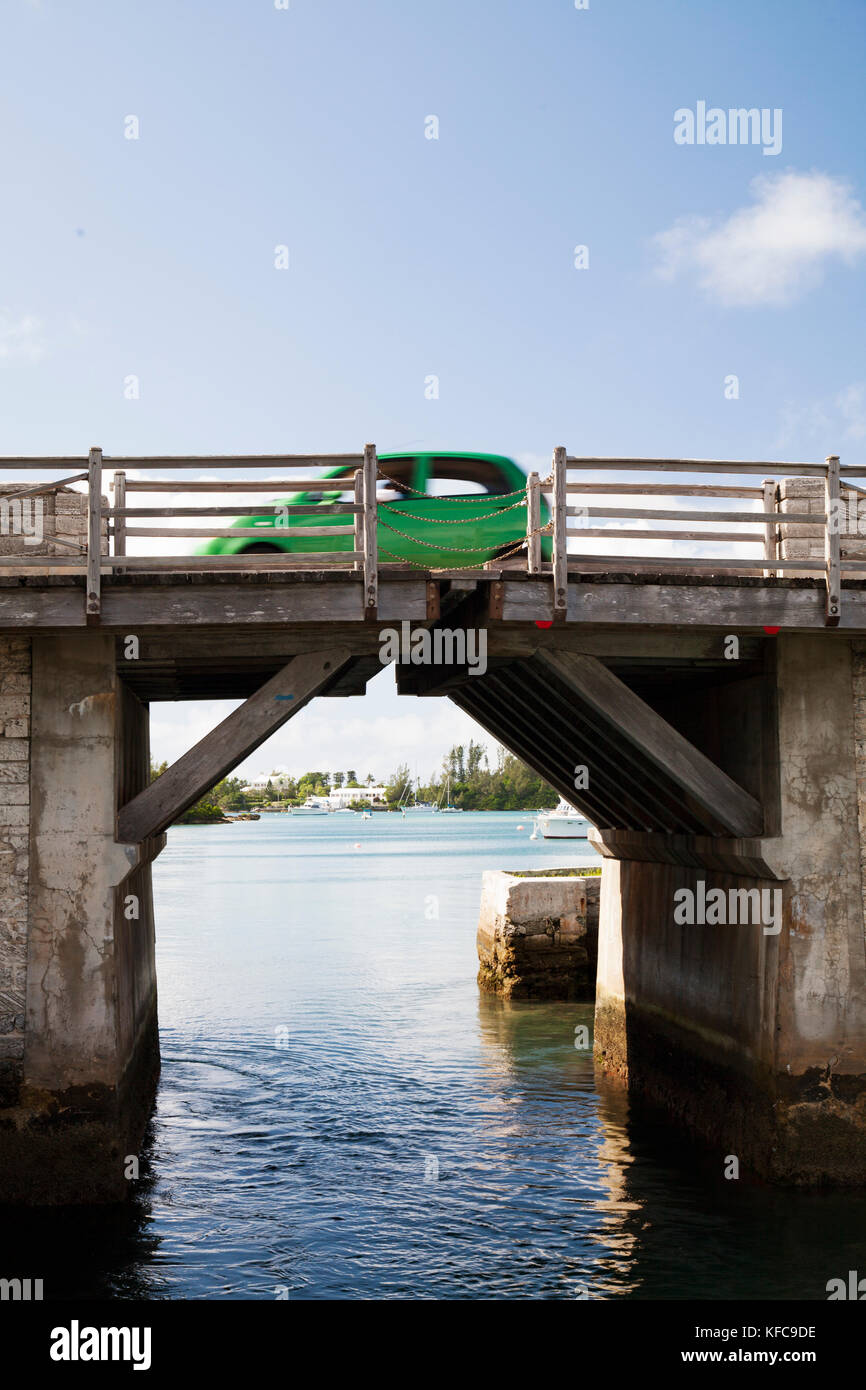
(398, 785)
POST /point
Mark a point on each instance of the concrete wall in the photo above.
(806, 542)
(14, 857)
(537, 935)
(757, 1042)
(89, 1053)
(30, 526)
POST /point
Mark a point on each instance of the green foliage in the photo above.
(471, 783)
(512, 786)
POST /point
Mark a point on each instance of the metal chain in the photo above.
(459, 549)
(479, 564)
(454, 520)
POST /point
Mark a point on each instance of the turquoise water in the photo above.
(341, 1114)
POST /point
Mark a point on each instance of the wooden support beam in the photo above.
(700, 779)
(94, 535)
(832, 541)
(770, 532)
(214, 756)
(371, 518)
(358, 494)
(120, 518)
(560, 539)
(533, 523)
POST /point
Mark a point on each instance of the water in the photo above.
(326, 1052)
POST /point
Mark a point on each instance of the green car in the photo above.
(470, 517)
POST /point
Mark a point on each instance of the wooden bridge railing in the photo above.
(110, 528)
(761, 526)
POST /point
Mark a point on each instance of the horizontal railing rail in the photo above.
(785, 531)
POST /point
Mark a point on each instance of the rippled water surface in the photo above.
(326, 1052)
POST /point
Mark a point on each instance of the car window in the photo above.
(456, 477)
(401, 470)
(454, 487)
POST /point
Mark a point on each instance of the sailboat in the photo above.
(447, 809)
(405, 804)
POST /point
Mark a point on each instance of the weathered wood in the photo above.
(359, 518)
(371, 579)
(262, 509)
(533, 524)
(276, 485)
(633, 647)
(233, 532)
(614, 532)
(832, 541)
(686, 514)
(560, 540)
(670, 564)
(770, 528)
(664, 490)
(635, 721)
(277, 559)
(214, 756)
(94, 534)
(701, 605)
(232, 461)
(118, 512)
(615, 465)
(44, 489)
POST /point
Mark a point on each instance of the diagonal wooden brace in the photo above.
(214, 756)
(657, 741)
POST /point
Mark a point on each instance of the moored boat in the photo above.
(565, 823)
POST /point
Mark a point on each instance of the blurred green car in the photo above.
(469, 518)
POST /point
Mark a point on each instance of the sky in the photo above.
(306, 127)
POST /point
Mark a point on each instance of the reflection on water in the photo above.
(341, 1114)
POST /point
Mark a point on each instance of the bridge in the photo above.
(707, 712)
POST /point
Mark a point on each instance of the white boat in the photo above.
(565, 823)
(311, 807)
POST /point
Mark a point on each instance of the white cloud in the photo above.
(772, 251)
(829, 422)
(21, 337)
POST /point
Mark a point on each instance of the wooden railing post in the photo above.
(832, 541)
(94, 534)
(371, 576)
(769, 528)
(358, 542)
(560, 539)
(119, 521)
(533, 524)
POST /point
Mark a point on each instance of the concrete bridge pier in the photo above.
(79, 1053)
(755, 1038)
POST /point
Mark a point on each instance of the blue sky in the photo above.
(408, 256)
